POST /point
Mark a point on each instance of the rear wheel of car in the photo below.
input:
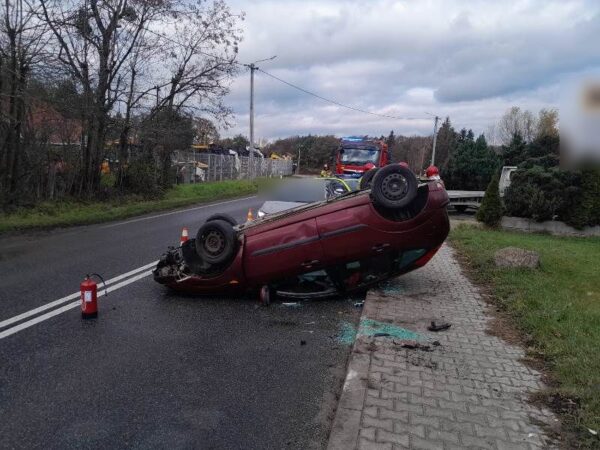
(394, 186)
(460, 208)
(224, 217)
(216, 242)
(367, 179)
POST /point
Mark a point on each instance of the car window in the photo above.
(300, 191)
(335, 189)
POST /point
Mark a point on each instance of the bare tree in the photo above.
(108, 46)
(95, 39)
(516, 122)
(21, 44)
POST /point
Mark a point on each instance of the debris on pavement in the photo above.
(302, 342)
(292, 304)
(347, 334)
(439, 326)
(414, 345)
(370, 327)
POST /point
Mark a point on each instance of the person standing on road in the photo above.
(325, 172)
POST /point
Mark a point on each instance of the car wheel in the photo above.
(367, 178)
(460, 208)
(394, 186)
(216, 242)
(224, 217)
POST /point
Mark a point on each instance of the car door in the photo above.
(281, 252)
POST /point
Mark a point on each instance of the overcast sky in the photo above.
(470, 60)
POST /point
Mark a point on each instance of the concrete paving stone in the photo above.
(396, 416)
(400, 438)
(385, 393)
(415, 390)
(440, 412)
(436, 393)
(374, 393)
(365, 444)
(372, 411)
(384, 424)
(408, 407)
(444, 436)
(417, 443)
(460, 427)
(383, 402)
(396, 378)
(368, 433)
(485, 431)
(421, 400)
(455, 406)
(431, 422)
(477, 442)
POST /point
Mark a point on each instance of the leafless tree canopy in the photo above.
(79, 79)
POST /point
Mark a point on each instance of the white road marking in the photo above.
(72, 296)
(176, 212)
(66, 307)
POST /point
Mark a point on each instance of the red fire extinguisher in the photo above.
(89, 296)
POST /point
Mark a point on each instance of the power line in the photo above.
(387, 116)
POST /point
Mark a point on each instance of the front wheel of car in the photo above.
(216, 242)
(394, 186)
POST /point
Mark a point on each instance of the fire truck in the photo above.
(356, 155)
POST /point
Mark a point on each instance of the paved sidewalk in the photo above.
(468, 390)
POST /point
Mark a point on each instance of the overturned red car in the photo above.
(393, 225)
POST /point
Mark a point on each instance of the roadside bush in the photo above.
(141, 179)
(542, 193)
(491, 209)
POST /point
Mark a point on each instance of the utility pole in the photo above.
(434, 140)
(253, 67)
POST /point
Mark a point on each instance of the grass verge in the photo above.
(557, 307)
(69, 213)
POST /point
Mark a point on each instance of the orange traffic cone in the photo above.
(184, 236)
(250, 216)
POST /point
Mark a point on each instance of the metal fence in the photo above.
(198, 167)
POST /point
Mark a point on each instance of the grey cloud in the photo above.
(471, 60)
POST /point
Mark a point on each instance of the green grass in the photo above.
(557, 307)
(69, 213)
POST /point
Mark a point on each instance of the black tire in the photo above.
(224, 217)
(216, 242)
(394, 186)
(367, 179)
(460, 208)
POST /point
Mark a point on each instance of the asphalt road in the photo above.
(157, 369)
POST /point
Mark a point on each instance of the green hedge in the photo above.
(544, 193)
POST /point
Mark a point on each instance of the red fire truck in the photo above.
(356, 155)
